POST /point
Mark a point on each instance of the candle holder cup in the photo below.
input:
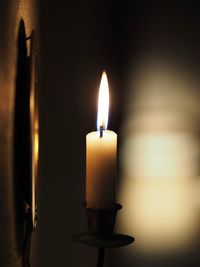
(101, 222)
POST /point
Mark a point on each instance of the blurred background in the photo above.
(150, 51)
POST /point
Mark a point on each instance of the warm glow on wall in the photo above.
(160, 155)
(158, 191)
(160, 161)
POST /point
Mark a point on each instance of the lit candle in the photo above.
(101, 151)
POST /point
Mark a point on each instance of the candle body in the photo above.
(101, 166)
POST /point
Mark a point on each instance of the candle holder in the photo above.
(100, 233)
(101, 222)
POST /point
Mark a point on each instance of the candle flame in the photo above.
(103, 103)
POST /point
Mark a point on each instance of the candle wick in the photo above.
(101, 131)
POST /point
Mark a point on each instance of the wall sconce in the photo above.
(26, 141)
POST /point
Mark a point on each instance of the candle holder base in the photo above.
(113, 241)
(101, 234)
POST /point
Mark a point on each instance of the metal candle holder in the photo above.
(100, 233)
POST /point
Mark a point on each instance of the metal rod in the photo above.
(100, 260)
(27, 240)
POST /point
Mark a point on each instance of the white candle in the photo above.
(101, 151)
